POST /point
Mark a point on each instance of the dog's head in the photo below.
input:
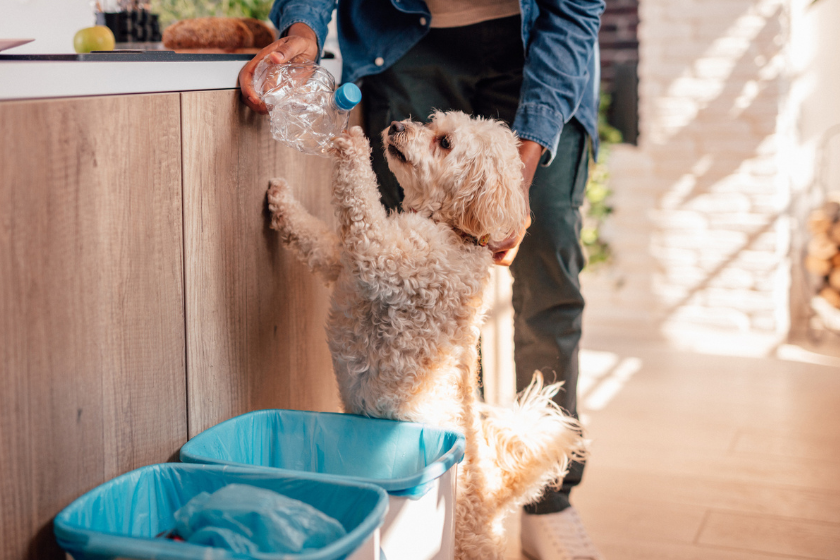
(463, 171)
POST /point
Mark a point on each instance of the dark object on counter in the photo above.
(218, 33)
(136, 26)
(263, 34)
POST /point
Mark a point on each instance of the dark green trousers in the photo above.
(478, 70)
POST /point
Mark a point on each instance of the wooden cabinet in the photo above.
(142, 296)
(255, 316)
(91, 302)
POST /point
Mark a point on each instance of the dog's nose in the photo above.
(396, 127)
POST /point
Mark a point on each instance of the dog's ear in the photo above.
(496, 204)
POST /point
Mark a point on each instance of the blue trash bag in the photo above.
(248, 519)
(124, 517)
(404, 458)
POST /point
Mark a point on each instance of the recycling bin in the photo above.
(125, 517)
(415, 463)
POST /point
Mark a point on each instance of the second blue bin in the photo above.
(414, 463)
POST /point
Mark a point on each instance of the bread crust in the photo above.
(208, 32)
(262, 32)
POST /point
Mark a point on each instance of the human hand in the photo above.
(505, 251)
(300, 42)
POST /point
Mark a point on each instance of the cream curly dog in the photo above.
(408, 302)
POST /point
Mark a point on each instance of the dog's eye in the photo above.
(444, 143)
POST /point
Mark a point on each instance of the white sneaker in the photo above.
(557, 536)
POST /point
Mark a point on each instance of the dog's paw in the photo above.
(351, 144)
(278, 190)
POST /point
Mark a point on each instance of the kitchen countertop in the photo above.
(21, 77)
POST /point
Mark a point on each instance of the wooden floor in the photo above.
(709, 457)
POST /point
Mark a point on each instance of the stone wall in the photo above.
(700, 231)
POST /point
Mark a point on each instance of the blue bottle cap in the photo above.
(347, 96)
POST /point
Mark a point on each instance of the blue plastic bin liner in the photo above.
(122, 517)
(246, 518)
(404, 458)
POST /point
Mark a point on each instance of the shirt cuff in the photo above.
(300, 13)
(539, 124)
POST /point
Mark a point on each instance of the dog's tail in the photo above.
(532, 443)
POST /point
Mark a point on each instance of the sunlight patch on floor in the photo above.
(602, 376)
(791, 353)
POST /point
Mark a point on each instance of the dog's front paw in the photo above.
(278, 191)
(351, 144)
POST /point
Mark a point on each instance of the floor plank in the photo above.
(806, 539)
(676, 433)
(615, 517)
(637, 550)
(788, 472)
(801, 445)
(748, 445)
(639, 486)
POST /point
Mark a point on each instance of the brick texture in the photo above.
(699, 228)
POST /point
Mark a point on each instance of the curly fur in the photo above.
(408, 302)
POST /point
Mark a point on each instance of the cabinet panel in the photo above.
(255, 316)
(92, 346)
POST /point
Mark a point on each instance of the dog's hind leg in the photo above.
(533, 443)
(311, 239)
(476, 538)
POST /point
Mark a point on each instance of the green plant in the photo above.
(596, 205)
(173, 10)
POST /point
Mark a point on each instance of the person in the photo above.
(532, 64)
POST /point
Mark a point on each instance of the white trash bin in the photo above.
(416, 464)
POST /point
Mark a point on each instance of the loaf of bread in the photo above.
(263, 33)
(217, 33)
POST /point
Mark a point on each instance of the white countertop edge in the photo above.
(27, 79)
(47, 79)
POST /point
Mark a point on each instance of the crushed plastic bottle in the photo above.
(305, 108)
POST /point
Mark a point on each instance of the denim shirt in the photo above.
(561, 72)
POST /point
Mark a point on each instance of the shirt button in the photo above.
(379, 61)
(422, 21)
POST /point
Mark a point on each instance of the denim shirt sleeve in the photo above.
(314, 13)
(560, 49)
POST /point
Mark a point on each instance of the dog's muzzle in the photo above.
(394, 130)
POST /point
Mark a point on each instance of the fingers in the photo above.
(294, 46)
(506, 244)
(505, 251)
(246, 82)
(505, 258)
(282, 50)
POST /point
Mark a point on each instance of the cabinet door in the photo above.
(92, 349)
(255, 315)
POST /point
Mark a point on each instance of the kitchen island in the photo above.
(143, 297)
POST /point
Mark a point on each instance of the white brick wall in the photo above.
(696, 233)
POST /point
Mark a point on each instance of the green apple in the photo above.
(97, 38)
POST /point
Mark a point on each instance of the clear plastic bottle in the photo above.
(305, 107)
